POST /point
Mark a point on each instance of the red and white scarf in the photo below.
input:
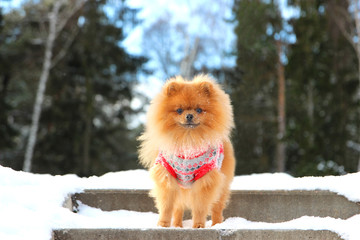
(190, 167)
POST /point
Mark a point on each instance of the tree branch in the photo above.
(65, 48)
(68, 14)
(342, 19)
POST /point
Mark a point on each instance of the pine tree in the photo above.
(322, 85)
(86, 112)
(254, 97)
(92, 91)
(7, 131)
(57, 19)
(15, 38)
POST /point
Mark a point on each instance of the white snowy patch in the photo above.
(343, 185)
(31, 204)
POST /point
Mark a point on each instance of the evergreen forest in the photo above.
(294, 82)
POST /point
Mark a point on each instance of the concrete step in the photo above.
(181, 234)
(259, 206)
(264, 206)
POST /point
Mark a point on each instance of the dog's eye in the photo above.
(179, 110)
(199, 110)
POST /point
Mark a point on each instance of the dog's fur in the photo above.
(165, 131)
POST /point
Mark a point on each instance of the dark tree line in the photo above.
(86, 110)
(84, 126)
(321, 86)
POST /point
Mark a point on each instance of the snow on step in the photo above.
(31, 204)
(259, 206)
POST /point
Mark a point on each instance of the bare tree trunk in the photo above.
(280, 146)
(86, 166)
(186, 66)
(310, 109)
(86, 150)
(53, 18)
(56, 24)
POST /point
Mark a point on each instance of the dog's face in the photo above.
(189, 107)
(190, 113)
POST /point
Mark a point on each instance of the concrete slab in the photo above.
(264, 206)
(181, 234)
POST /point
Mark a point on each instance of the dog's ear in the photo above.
(172, 88)
(206, 88)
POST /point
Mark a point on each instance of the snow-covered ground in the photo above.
(31, 204)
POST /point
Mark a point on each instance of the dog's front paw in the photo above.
(163, 224)
(178, 225)
(198, 225)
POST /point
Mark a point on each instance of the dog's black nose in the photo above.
(189, 117)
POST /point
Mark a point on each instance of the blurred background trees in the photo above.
(83, 127)
(89, 122)
(326, 84)
(321, 85)
(254, 91)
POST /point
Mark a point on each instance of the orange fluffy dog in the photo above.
(186, 145)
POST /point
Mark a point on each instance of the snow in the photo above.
(31, 204)
(343, 185)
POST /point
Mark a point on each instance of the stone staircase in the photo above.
(259, 206)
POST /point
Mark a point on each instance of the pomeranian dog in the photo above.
(187, 148)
